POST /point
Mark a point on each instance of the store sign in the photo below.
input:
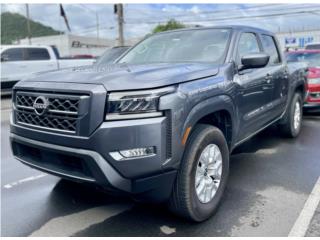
(297, 42)
(78, 44)
(291, 41)
(305, 40)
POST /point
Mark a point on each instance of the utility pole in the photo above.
(97, 21)
(119, 12)
(28, 24)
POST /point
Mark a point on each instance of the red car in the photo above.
(312, 57)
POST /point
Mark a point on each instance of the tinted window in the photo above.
(111, 55)
(270, 48)
(313, 46)
(13, 54)
(312, 58)
(248, 43)
(37, 54)
(203, 45)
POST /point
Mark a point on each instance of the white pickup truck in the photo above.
(19, 61)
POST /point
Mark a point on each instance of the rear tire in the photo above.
(292, 127)
(209, 172)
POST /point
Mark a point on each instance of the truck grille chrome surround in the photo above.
(56, 112)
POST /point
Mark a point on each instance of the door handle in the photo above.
(268, 78)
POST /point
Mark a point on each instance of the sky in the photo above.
(140, 19)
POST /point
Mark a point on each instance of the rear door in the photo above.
(278, 83)
(253, 97)
(38, 60)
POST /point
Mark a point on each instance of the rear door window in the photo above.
(12, 54)
(36, 54)
(269, 47)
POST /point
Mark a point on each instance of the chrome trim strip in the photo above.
(118, 157)
(50, 110)
(24, 107)
(51, 129)
(64, 112)
(116, 116)
(59, 95)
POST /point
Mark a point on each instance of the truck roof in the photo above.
(304, 51)
(25, 46)
(234, 27)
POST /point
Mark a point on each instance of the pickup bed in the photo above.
(21, 61)
(160, 124)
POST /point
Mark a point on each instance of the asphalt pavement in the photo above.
(271, 180)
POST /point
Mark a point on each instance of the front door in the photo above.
(253, 94)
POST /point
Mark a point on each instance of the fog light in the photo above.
(133, 153)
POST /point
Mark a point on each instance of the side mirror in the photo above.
(254, 60)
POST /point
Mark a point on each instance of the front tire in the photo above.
(202, 176)
(292, 127)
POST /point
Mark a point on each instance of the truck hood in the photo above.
(131, 77)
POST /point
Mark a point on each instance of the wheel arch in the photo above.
(217, 111)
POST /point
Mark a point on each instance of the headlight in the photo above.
(313, 80)
(137, 104)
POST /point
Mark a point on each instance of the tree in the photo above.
(170, 25)
(14, 27)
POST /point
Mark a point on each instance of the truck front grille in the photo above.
(56, 104)
(51, 122)
(60, 113)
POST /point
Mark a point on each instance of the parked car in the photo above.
(313, 46)
(79, 56)
(20, 61)
(312, 57)
(112, 54)
(163, 127)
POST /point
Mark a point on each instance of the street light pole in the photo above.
(28, 24)
(97, 21)
(120, 23)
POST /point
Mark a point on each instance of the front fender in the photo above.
(210, 105)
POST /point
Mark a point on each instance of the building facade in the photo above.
(70, 45)
(298, 39)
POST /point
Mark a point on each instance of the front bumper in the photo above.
(114, 136)
(312, 102)
(86, 166)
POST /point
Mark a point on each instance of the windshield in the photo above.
(205, 45)
(111, 55)
(313, 59)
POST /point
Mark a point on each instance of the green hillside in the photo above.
(14, 27)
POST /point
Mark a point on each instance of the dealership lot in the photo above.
(270, 181)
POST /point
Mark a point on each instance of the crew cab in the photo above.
(20, 61)
(312, 58)
(160, 123)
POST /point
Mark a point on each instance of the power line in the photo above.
(214, 11)
(243, 10)
(232, 18)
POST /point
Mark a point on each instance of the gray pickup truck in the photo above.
(160, 124)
